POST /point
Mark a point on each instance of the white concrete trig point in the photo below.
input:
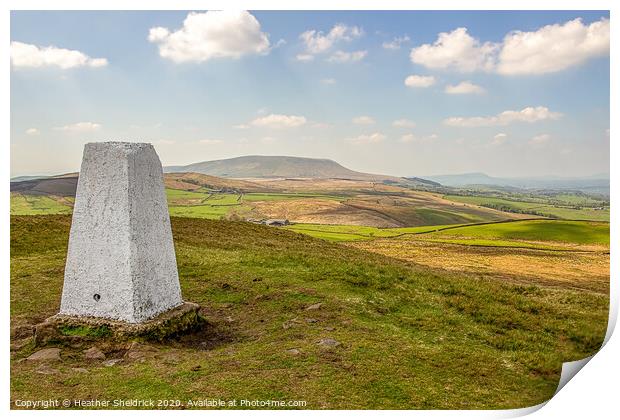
(121, 263)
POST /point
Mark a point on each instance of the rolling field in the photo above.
(392, 331)
(543, 209)
(22, 204)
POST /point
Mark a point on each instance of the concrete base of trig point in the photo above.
(121, 269)
(72, 329)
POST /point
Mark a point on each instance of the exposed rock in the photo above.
(311, 320)
(22, 331)
(80, 370)
(138, 351)
(314, 307)
(294, 352)
(112, 362)
(46, 370)
(94, 353)
(328, 342)
(329, 328)
(50, 354)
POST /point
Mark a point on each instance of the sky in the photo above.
(414, 93)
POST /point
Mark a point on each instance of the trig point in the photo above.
(121, 263)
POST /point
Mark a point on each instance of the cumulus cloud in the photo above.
(529, 115)
(540, 140)
(553, 47)
(363, 120)
(549, 49)
(395, 43)
(80, 127)
(304, 57)
(346, 57)
(209, 35)
(31, 56)
(456, 50)
(279, 121)
(317, 42)
(367, 138)
(403, 123)
(415, 81)
(408, 138)
(464, 88)
(33, 132)
(499, 138)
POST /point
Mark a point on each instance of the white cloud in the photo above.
(553, 47)
(464, 88)
(317, 42)
(363, 120)
(209, 35)
(529, 115)
(346, 57)
(408, 138)
(549, 49)
(210, 141)
(415, 81)
(80, 127)
(456, 50)
(499, 138)
(33, 132)
(367, 138)
(278, 121)
(395, 43)
(304, 57)
(540, 140)
(31, 56)
(404, 123)
(328, 81)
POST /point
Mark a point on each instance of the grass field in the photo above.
(39, 204)
(410, 336)
(548, 210)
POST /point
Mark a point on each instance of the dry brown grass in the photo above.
(574, 269)
(320, 211)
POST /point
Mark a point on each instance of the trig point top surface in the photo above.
(121, 262)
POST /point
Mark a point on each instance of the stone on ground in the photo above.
(49, 354)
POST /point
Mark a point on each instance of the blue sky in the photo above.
(380, 92)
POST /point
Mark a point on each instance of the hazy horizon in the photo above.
(396, 93)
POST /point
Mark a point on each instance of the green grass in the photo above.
(583, 233)
(548, 210)
(343, 233)
(37, 204)
(410, 337)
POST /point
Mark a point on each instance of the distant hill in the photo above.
(277, 167)
(597, 183)
(66, 184)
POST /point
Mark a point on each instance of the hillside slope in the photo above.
(388, 334)
(276, 167)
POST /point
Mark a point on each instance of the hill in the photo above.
(277, 167)
(592, 184)
(387, 333)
